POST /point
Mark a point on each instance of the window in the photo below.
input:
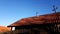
(13, 28)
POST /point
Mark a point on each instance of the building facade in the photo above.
(42, 24)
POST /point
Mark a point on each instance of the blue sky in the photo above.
(13, 10)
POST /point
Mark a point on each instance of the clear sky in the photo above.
(13, 10)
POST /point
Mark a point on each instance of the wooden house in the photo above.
(46, 23)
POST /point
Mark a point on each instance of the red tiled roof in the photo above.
(47, 18)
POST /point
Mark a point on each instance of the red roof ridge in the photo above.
(34, 20)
